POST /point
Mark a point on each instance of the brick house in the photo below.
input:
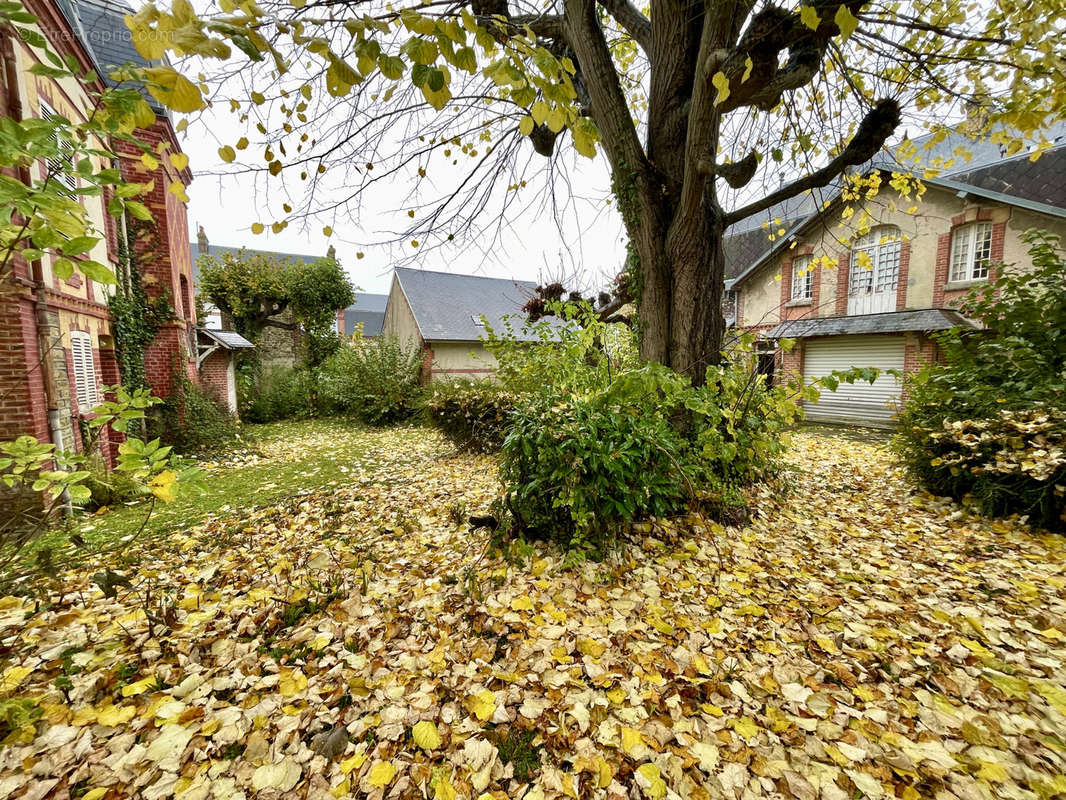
(875, 300)
(56, 342)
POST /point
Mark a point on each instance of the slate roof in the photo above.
(230, 340)
(447, 306)
(101, 26)
(1040, 181)
(926, 319)
(1037, 185)
(218, 250)
(368, 309)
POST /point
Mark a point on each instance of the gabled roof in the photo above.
(449, 307)
(926, 319)
(219, 250)
(368, 309)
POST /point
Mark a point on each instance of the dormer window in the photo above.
(477, 320)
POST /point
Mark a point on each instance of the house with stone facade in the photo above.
(57, 347)
(873, 297)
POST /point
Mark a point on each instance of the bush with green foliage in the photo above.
(375, 380)
(191, 421)
(277, 393)
(987, 422)
(474, 415)
(579, 468)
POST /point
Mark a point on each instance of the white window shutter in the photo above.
(81, 356)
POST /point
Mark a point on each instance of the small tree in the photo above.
(255, 289)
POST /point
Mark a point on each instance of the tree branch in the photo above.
(631, 19)
(871, 136)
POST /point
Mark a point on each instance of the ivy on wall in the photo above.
(135, 318)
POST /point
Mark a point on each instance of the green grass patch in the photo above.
(282, 459)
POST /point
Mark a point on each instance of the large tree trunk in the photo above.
(680, 297)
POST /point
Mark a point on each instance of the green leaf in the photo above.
(138, 210)
(63, 268)
(96, 271)
(79, 245)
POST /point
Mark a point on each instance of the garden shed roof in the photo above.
(368, 309)
(229, 340)
(926, 319)
(449, 307)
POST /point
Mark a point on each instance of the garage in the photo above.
(860, 403)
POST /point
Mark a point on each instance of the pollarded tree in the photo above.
(256, 289)
(701, 106)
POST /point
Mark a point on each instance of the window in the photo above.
(875, 261)
(62, 164)
(81, 354)
(971, 251)
(802, 278)
(478, 320)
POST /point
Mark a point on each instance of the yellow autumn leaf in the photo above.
(13, 676)
(523, 603)
(809, 17)
(482, 704)
(179, 160)
(381, 774)
(257, 228)
(993, 772)
(721, 84)
(143, 685)
(95, 794)
(111, 716)
(150, 162)
(425, 735)
(746, 727)
(846, 21)
(525, 125)
(292, 682)
(590, 647)
(443, 789)
(173, 89)
(656, 788)
(227, 153)
(353, 763)
(162, 485)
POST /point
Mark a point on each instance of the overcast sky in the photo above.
(591, 240)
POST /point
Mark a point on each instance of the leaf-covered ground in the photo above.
(858, 641)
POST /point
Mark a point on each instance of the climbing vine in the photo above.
(135, 318)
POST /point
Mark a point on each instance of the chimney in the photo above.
(201, 240)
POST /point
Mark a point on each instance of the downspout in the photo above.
(13, 109)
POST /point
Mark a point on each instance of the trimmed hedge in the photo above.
(474, 415)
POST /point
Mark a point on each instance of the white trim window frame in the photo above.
(971, 252)
(802, 279)
(62, 165)
(81, 356)
(883, 246)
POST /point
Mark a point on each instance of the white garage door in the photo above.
(861, 402)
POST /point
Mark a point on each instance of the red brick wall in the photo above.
(163, 269)
(944, 297)
(904, 275)
(213, 376)
(22, 401)
(791, 365)
(427, 364)
(843, 275)
(916, 354)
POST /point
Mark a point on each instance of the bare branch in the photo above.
(631, 19)
(873, 132)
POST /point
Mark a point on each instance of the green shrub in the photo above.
(376, 380)
(191, 421)
(579, 469)
(988, 422)
(573, 353)
(474, 415)
(278, 393)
